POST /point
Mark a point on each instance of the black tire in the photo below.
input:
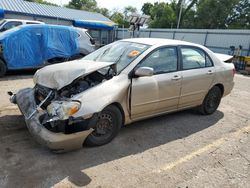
(211, 101)
(107, 127)
(3, 68)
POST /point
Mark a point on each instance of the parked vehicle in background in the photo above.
(123, 82)
(33, 46)
(7, 24)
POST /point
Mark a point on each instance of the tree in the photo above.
(214, 14)
(162, 15)
(240, 18)
(187, 17)
(89, 5)
(187, 6)
(120, 17)
(146, 8)
(129, 10)
(103, 11)
(207, 14)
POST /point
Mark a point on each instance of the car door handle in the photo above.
(210, 72)
(176, 77)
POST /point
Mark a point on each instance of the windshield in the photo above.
(123, 53)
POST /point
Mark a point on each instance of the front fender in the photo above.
(97, 98)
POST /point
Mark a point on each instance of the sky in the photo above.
(112, 4)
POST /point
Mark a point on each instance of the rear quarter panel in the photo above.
(225, 76)
(224, 73)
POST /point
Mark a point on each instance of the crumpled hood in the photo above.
(62, 74)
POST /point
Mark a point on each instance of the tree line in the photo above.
(195, 14)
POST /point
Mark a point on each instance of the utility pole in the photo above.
(179, 18)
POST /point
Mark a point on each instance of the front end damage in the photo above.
(55, 138)
(50, 108)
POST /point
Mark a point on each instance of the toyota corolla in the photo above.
(88, 100)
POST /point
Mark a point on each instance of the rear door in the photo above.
(197, 75)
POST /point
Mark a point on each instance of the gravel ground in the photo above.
(183, 149)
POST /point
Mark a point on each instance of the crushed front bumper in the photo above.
(57, 142)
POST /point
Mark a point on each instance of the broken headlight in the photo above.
(62, 110)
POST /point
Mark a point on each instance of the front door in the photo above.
(159, 93)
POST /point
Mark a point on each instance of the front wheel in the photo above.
(211, 101)
(107, 127)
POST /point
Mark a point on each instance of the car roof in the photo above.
(19, 20)
(159, 41)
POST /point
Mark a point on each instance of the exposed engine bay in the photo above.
(79, 85)
(51, 100)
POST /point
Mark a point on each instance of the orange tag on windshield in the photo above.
(133, 53)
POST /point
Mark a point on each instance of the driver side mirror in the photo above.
(144, 71)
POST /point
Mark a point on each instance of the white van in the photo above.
(7, 24)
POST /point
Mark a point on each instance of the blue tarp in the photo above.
(31, 45)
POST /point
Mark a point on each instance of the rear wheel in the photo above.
(107, 127)
(211, 101)
(3, 68)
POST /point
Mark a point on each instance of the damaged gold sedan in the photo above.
(88, 100)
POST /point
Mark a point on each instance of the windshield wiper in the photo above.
(120, 56)
(101, 55)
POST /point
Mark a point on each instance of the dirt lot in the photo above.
(182, 150)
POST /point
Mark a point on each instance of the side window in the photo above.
(11, 25)
(162, 60)
(193, 58)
